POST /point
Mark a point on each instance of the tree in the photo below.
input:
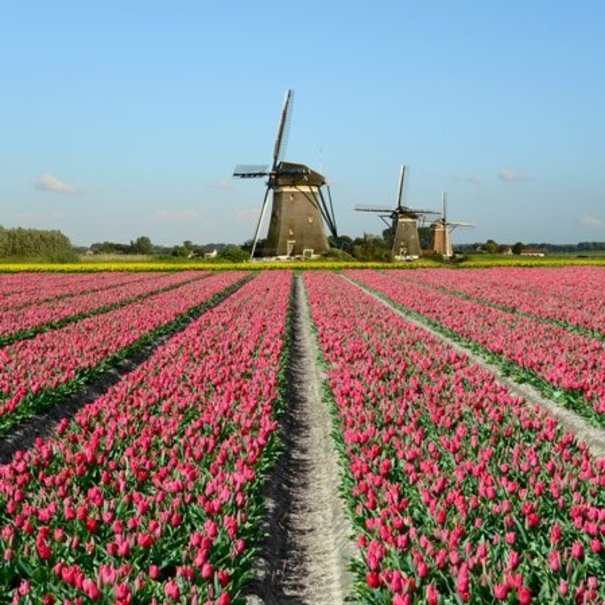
(342, 242)
(110, 248)
(234, 254)
(491, 246)
(371, 248)
(36, 244)
(260, 246)
(425, 238)
(180, 251)
(142, 245)
(387, 235)
(517, 247)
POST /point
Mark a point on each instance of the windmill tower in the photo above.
(404, 222)
(441, 230)
(299, 210)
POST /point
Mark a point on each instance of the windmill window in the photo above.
(291, 197)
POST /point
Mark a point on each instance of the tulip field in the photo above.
(455, 488)
(459, 491)
(27, 317)
(561, 357)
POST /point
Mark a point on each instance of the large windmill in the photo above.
(441, 230)
(299, 206)
(403, 221)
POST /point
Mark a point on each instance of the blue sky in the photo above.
(119, 119)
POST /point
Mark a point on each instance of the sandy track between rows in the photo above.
(592, 436)
(305, 555)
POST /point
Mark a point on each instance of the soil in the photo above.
(592, 436)
(308, 540)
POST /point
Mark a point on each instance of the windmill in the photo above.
(441, 230)
(299, 206)
(403, 221)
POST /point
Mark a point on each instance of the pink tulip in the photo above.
(172, 591)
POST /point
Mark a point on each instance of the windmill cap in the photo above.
(288, 173)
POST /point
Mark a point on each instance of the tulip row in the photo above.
(459, 492)
(573, 295)
(573, 363)
(16, 324)
(25, 289)
(152, 493)
(39, 372)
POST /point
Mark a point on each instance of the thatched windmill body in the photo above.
(441, 230)
(404, 222)
(299, 207)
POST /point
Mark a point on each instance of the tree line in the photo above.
(53, 246)
(493, 247)
(35, 244)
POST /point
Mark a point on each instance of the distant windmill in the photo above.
(404, 222)
(299, 206)
(441, 230)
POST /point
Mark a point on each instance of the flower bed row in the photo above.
(152, 493)
(25, 289)
(573, 363)
(572, 295)
(16, 324)
(459, 492)
(37, 373)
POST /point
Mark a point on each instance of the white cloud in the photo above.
(591, 221)
(161, 215)
(48, 182)
(222, 184)
(510, 176)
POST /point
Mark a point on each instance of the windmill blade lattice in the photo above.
(283, 129)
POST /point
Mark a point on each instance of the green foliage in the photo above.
(110, 248)
(181, 251)
(425, 237)
(141, 245)
(516, 248)
(370, 248)
(491, 246)
(342, 242)
(336, 254)
(387, 235)
(43, 245)
(234, 254)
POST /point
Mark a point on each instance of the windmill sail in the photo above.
(380, 209)
(251, 171)
(283, 129)
(400, 186)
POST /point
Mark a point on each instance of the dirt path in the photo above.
(305, 555)
(592, 436)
